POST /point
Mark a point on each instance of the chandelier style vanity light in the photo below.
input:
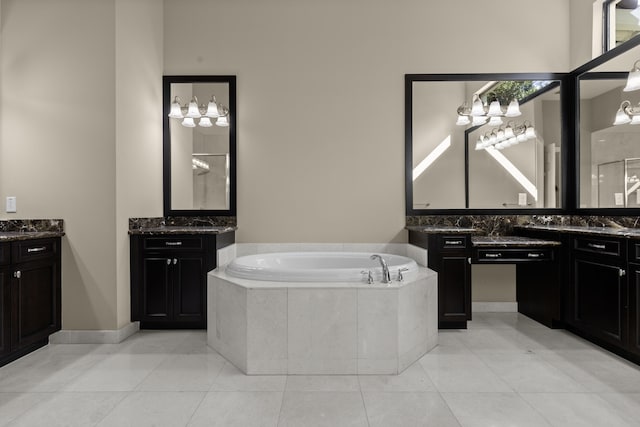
(203, 113)
(501, 138)
(627, 113)
(479, 113)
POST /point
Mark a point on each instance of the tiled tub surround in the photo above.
(265, 327)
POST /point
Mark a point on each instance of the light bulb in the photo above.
(194, 111)
(508, 132)
(477, 108)
(188, 122)
(521, 137)
(478, 120)
(514, 109)
(495, 121)
(176, 110)
(635, 119)
(633, 80)
(494, 109)
(622, 118)
(463, 120)
(205, 122)
(530, 133)
(222, 121)
(212, 108)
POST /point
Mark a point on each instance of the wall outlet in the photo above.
(11, 205)
(522, 199)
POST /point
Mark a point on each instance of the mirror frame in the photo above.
(586, 71)
(566, 94)
(166, 145)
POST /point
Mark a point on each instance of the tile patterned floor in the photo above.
(505, 370)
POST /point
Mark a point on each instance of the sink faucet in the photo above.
(386, 277)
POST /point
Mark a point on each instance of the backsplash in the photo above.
(183, 221)
(497, 225)
(12, 225)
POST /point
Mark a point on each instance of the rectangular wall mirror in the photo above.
(199, 145)
(469, 146)
(609, 135)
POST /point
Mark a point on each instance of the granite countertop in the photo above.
(181, 230)
(10, 236)
(443, 229)
(599, 231)
(511, 242)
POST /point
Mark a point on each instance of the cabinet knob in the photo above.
(175, 261)
(469, 260)
(168, 261)
(622, 272)
(17, 274)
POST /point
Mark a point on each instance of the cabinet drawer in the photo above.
(5, 251)
(513, 255)
(634, 251)
(599, 246)
(174, 243)
(33, 250)
(453, 242)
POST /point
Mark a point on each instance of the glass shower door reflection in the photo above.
(611, 187)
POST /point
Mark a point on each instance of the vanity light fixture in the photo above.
(502, 138)
(204, 113)
(479, 113)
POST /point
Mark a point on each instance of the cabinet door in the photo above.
(454, 292)
(155, 292)
(634, 308)
(600, 300)
(36, 298)
(5, 312)
(189, 299)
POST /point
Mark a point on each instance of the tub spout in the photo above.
(386, 276)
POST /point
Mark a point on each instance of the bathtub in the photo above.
(313, 313)
(319, 267)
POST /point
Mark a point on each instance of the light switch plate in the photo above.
(11, 204)
(522, 199)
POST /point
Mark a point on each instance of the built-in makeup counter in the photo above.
(452, 250)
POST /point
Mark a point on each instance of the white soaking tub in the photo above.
(318, 267)
(314, 313)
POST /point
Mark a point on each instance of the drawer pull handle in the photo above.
(534, 255)
(453, 242)
(173, 243)
(498, 255)
(40, 249)
(596, 246)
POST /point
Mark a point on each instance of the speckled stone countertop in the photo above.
(163, 230)
(598, 231)
(443, 229)
(29, 229)
(511, 242)
(10, 236)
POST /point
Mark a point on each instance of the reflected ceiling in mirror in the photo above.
(199, 145)
(468, 148)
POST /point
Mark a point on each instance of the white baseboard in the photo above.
(494, 307)
(114, 336)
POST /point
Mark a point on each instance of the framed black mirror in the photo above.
(608, 138)
(199, 145)
(468, 149)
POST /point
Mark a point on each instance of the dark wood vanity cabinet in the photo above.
(30, 295)
(169, 279)
(599, 300)
(449, 256)
(5, 301)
